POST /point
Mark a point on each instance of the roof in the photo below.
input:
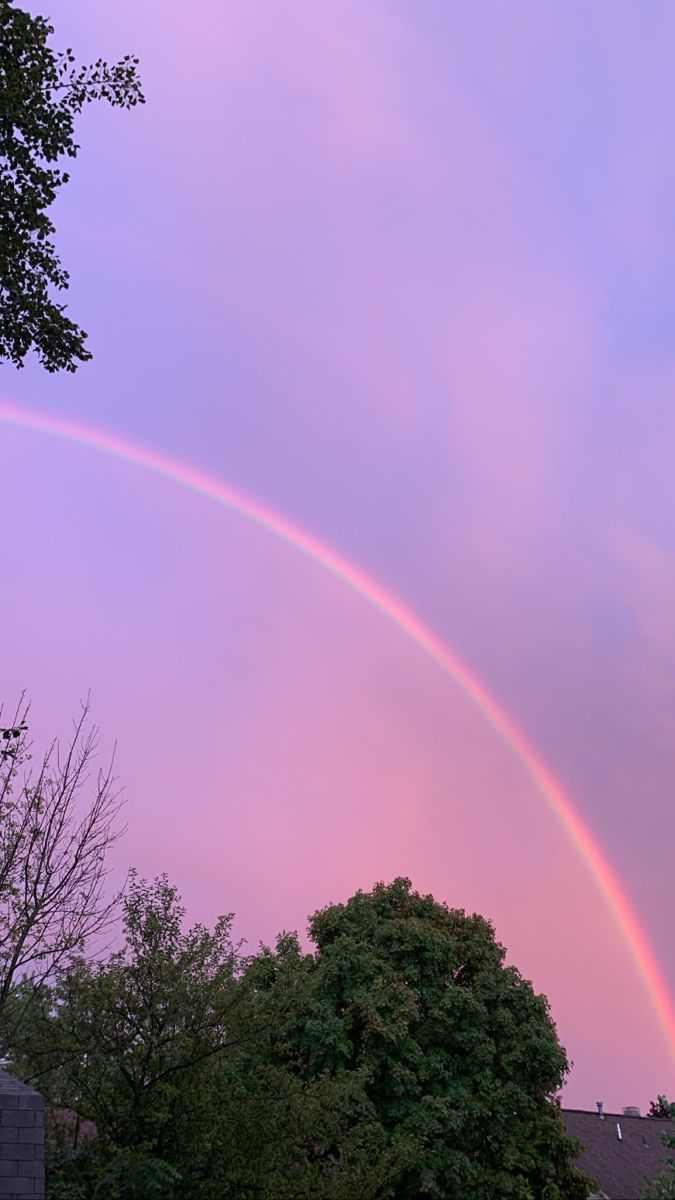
(17, 1094)
(620, 1166)
(59, 1122)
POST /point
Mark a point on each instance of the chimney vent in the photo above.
(601, 1113)
(631, 1111)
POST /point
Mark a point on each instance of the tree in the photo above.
(660, 1109)
(120, 1039)
(52, 860)
(663, 1188)
(42, 91)
(458, 1058)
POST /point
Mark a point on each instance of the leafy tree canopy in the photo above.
(118, 1037)
(458, 1058)
(41, 93)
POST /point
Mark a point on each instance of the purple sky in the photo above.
(405, 272)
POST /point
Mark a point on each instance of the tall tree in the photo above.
(459, 1058)
(42, 91)
(52, 859)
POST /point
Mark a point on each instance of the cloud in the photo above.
(403, 274)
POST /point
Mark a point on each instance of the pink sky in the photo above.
(404, 272)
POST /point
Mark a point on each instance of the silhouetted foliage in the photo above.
(660, 1109)
(41, 93)
(663, 1188)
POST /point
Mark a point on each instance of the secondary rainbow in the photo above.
(395, 611)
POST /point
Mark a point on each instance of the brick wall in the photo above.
(22, 1141)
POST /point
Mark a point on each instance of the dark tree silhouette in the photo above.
(41, 93)
(660, 1108)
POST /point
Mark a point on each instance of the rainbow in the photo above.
(405, 620)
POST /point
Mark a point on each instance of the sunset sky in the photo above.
(402, 272)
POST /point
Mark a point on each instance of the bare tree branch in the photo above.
(52, 854)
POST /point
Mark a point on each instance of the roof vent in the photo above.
(601, 1113)
(618, 1132)
(631, 1111)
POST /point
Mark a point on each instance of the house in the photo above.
(22, 1137)
(622, 1150)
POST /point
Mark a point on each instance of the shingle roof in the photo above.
(9, 1086)
(620, 1166)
